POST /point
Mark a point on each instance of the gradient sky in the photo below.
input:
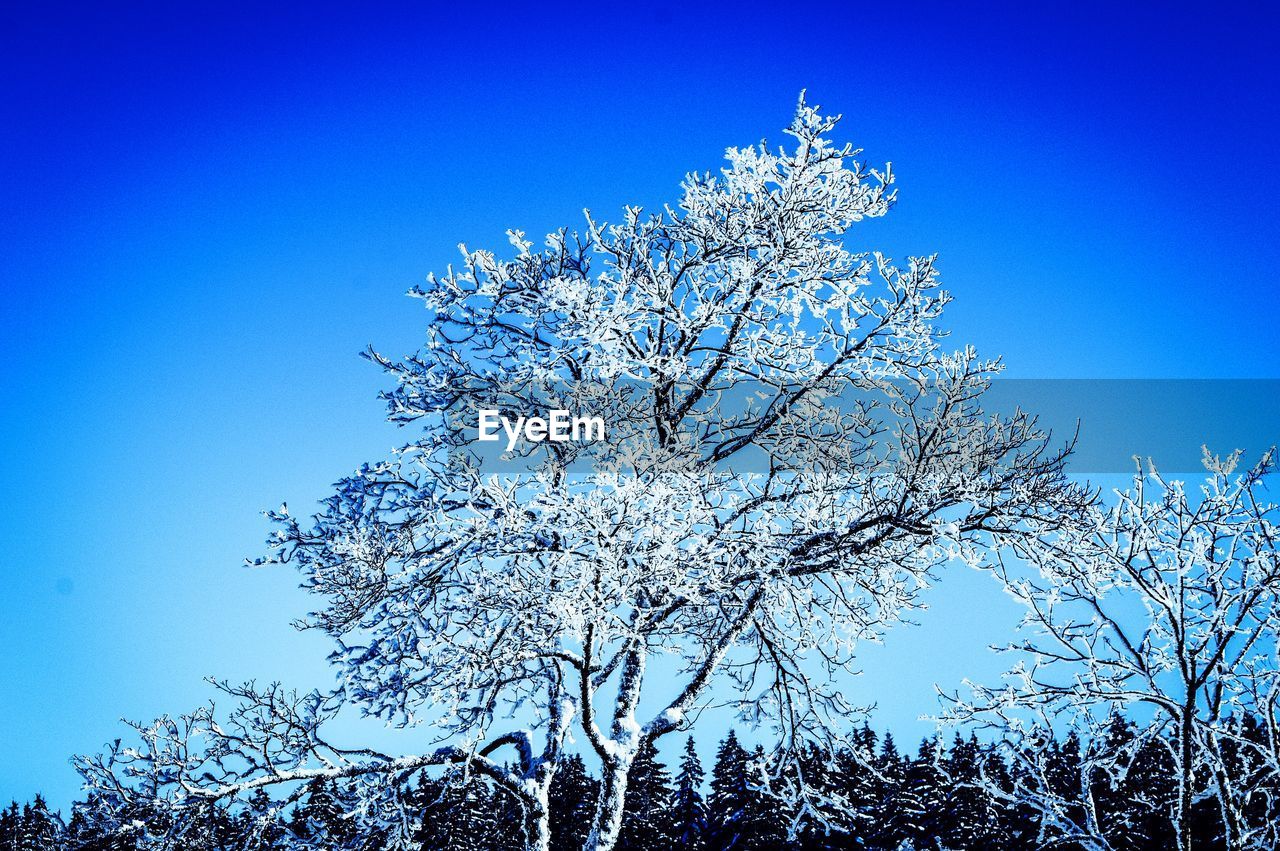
(206, 213)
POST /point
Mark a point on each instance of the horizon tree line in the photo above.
(946, 796)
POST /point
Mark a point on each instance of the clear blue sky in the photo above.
(207, 212)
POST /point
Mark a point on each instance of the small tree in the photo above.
(689, 822)
(1164, 605)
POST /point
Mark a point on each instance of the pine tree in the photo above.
(1118, 814)
(1064, 775)
(572, 803)
(322, 818)
(1154, 792)
(856, 785)
(427, 798)
(646, 809)
(971, 820)
(1019, 820)
(957, 799)
(765, 818)
(85, 832)
(995, 772)
(893, 808)
(823, 824)
(924, 795)
(458, 815)
(257, 828)
(1240, 754)
(102, 823)
(207, 827)
(9, 823)
(727, 803)
(689, 822)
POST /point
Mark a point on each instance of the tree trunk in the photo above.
(539, 838)
(1185, 778)
(624, 739)
(608, 819)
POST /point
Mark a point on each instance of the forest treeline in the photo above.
(954, 795)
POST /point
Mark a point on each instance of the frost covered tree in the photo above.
(791, 454)
(31, 828)
(689, 816)
(257, 828)
(894, 808)
(730, 792)
(1161, 605)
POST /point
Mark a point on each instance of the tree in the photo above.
(258, 826)
(572, 800)
(1164, 602)
(460, 816)
(820, 819)
(764, 821)
(10, 818)
(573, 795)
(791, 454)
(927, 796)
(646, 814)
(856, 789)
(689, 816)
(322, 816)
(744, 813)
(730, 791)
(970, 820)
(894, 807)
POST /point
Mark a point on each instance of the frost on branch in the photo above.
(792, 453)
(1160, 606)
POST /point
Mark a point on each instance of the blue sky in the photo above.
(207, 212)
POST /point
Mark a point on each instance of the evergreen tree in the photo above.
(764, 821)
(995, 771)
(322, 818)
(957, 799)
(459, 815)
(572, 802)
(646, 811)
(1020, 822)
(9, 823)
(1260, 812)
(257, 828)
(1118, 813)
(1064, 775)
(206, 827)
(87, 831)
(727, 803)
(822, 824)
(857, 787)
(1153, 791)
(513, 822)
(924, 796)
(689, 820)
(893, 809)
(970, 822)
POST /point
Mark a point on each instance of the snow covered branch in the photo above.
(1162, 605)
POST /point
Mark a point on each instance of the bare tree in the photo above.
(1162, 606)
(790, 455)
